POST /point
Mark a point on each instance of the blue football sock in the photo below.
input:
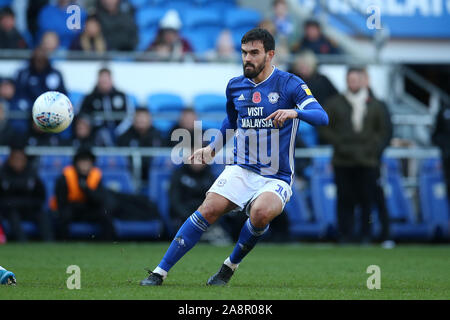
(248, 238)
(185, 239)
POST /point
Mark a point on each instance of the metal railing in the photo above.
(136, 154)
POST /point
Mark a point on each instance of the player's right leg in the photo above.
(212, 208)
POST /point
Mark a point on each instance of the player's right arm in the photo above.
(205, 155)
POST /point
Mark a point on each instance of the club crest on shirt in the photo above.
(273, 97)
(256, 98)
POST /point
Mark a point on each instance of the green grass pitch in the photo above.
(294, 271)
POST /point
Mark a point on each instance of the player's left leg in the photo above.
(266, 207)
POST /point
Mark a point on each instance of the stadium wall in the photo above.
(184, 79)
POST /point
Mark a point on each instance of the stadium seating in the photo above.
(323, 197)
(113, 162)
(433, 197)
(404, 224)
(159, 183)
(54, 163)
(118, 180)
(210, 103)
(76, 97)
(5, 3)
(149, 17)
(165, 102)
(146, 37)
(196, 18)
(239, 18)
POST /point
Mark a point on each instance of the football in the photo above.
(52, 112)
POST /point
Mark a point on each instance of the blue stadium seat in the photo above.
(179, 5)
(159, 183)
(149, 17)
(308, 134)
(323, 194)
(211, 124)
(146, 37)
(5, 3)
(217, 4)
(113, 162)
(54, 162)
(164, 126)
(3, 158)
(118, 180)
(48, 178)
(404, 224)
(165, 102)
(239, 18)
(433, 198)
(301, 223)
(76, 97)
(138, 229)
(199, 41)
(29, 228)
(210, 103)
(195, 18)
(140, 4)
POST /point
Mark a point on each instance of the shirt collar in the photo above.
(257, 84)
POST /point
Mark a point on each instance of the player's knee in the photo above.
(261, 216)
(209, 211)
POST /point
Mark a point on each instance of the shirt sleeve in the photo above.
(230, 122)
(307, 107)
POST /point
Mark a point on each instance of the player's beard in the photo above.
(251, 74)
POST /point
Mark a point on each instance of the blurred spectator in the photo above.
(38, 138)
(315, 41)
(20, 107)
(169, 45)
(117, 24)
(83, 135)
(281, 19)
(10, 38)
(33, 9)
(142, 134)
(224, 49)
(38, 77)
(305, 66)
(22, 195)
(108, 107)
(188, 186)
(49, 42)
(91, 40)
(380, 200)
(281, 43)
(441, 138)
(53, 17)
(6, 131)
(186, 121)
(80, 196)
(357, 132)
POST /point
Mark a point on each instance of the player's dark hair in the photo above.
(258, 34)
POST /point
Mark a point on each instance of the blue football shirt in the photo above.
(258, 145)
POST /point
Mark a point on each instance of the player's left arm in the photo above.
(307, 108)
